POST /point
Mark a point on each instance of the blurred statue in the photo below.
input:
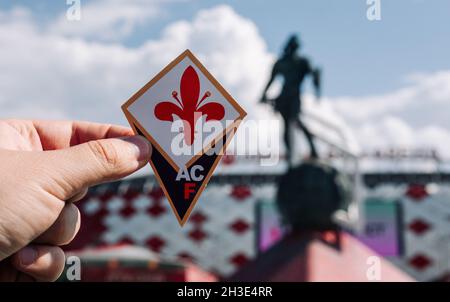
(308, 195)
(293, 68)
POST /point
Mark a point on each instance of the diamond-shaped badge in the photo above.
(189, 119)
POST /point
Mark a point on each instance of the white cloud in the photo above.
(109, 19)
(56, 73)
(78, 79)
(415, 116)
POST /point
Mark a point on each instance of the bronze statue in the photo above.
(293, 68)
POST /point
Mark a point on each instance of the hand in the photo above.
(45, 166)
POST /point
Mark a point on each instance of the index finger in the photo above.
(63, 134)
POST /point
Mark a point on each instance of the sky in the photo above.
(387, 81)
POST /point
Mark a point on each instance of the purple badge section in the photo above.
(183, 192)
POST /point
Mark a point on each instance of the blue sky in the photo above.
(388, 81)
(358, 57)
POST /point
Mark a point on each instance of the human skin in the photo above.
(46, 166)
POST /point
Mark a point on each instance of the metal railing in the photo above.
(352, 217)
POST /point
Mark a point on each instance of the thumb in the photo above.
(94, 162)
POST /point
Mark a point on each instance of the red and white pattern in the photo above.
(219, 235)
(426, 228)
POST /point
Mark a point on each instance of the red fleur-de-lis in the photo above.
(189, 109)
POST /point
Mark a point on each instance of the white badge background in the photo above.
(144, 107)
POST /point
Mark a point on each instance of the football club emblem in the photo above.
(189, 119)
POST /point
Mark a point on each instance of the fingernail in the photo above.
(141, 146)
(27, 256)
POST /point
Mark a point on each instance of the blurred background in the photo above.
(381, 123)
